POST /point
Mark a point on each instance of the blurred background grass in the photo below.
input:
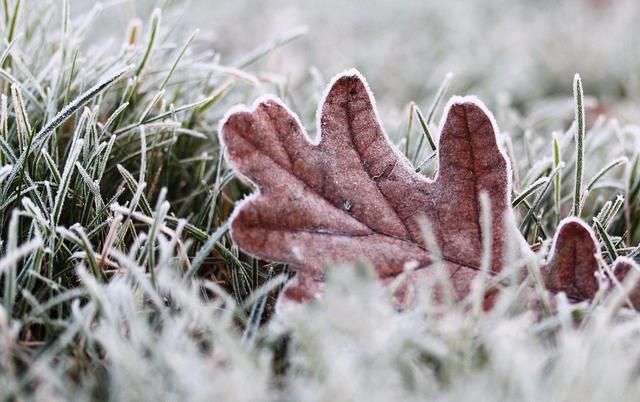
(528, 49)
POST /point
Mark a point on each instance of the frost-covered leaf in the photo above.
(575, 260)
(351, 196)
(621, 268)
(575, 264)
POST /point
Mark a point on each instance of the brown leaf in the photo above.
(575, 260)
(351, 195)
(575, 264)
(621, 268)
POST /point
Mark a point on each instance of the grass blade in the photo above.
(579, 138)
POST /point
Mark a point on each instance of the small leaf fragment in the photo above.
(575, 260)
(621, 268)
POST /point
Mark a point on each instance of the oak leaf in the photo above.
(350, 195)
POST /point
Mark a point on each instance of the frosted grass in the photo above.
(119, 280)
